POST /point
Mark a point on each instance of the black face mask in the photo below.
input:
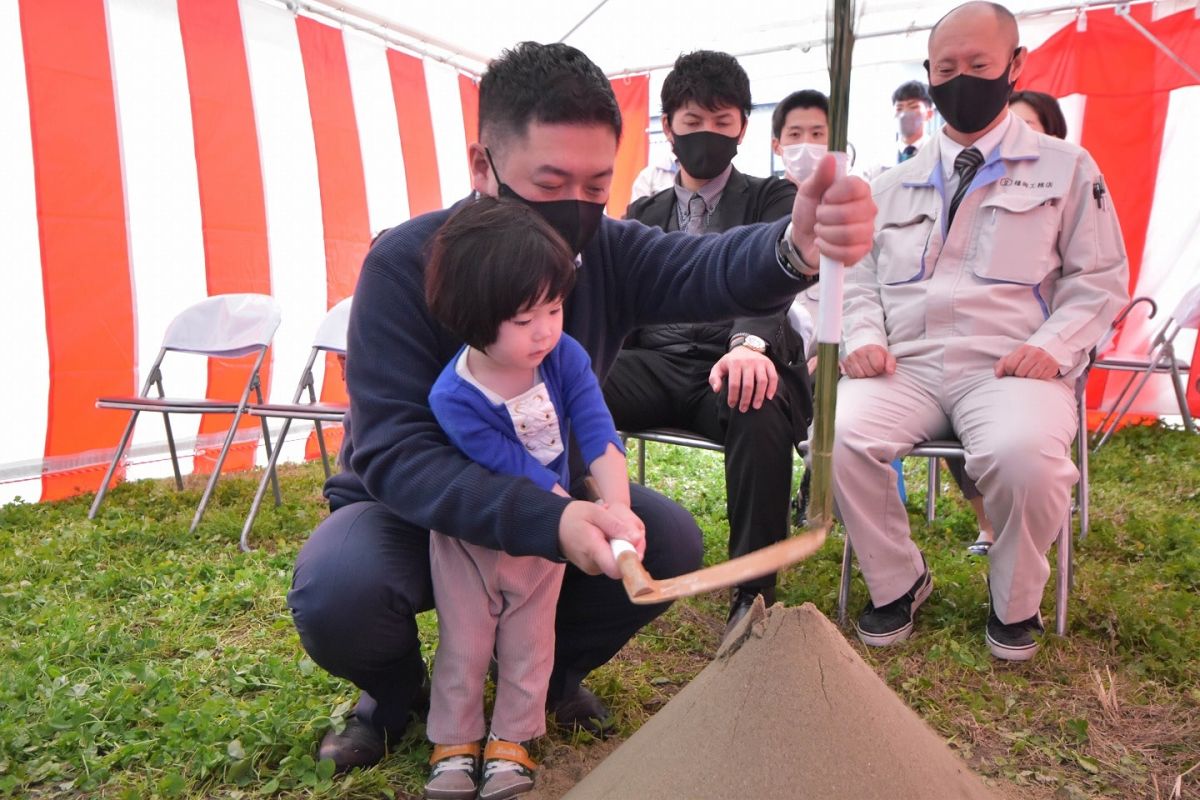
(704, 154)
(969, 104)
(576, 221)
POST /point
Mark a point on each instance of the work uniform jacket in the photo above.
(1035, 256)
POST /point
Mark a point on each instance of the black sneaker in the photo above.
(1016, 641)
(892, 623)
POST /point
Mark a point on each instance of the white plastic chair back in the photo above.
(1187, 313)
(227, 325)
(331, 335)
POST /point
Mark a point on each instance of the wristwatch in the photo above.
(750, 341)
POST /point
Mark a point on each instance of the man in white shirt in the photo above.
(914, 110)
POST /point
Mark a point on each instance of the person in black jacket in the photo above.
(742, 383)
(549, 127)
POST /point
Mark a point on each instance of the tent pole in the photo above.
(379, 27)
(579, 24)
(1123, 12)
(805, 46)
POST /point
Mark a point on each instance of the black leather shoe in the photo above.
(358, 745)
(580, 708)
(740, 605)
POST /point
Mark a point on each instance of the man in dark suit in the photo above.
(742, 383)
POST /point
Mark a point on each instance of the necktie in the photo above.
(906, 154)
(965, 167)
(697, 209)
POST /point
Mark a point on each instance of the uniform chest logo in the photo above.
(1026, 184)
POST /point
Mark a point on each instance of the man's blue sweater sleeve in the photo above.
(676, 277)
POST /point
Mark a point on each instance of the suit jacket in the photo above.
(745, 200)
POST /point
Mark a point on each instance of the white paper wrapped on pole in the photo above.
(832, 278)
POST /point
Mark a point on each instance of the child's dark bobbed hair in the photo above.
(492, 260)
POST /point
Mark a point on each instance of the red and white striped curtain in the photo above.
(1140, 117)
(159, 151)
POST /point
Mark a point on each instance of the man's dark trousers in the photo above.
(651, 388)
(363, 576)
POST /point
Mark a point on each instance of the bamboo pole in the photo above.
(841, 18)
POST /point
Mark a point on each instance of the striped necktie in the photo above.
(965, 167)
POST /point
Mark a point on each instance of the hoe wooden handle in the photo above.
(637, 581)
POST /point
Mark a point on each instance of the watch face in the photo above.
(755, 343)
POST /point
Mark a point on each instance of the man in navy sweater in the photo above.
(549, 127)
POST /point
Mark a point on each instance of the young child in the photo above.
(510, 399)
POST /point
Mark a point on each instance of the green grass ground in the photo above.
(140, 661)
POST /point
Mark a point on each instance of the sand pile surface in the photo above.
(787, 710)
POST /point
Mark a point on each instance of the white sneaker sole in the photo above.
(902, 633)
(1006, 652)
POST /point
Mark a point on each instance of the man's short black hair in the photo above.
(493, 259)
(710, 79)
(912, 90)
(805, 98)
(548, 83)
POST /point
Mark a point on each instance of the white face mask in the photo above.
(800, 160)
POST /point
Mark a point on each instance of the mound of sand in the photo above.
(787, 711)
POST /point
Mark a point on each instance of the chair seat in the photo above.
(174, 405)
(676, 436)
(937, 448)
(1139, 364)
(320, 412)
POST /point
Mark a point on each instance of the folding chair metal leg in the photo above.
(262, 488)
(267, 444)
(1121, 410)
(274, 478)
(1181, 397)
(931, 493)
(642, 461)
(171, 448)
(321, 445)
(1110, 419)
(216, 473)
(1063, 581)
(844, 585)
(156, 379)
(233, 426)
(112, 467)
(1082, 493)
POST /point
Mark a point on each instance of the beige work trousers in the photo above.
(1017, 433)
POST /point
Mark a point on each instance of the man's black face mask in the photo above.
(968, 103)
(576, 221)
(704, 154)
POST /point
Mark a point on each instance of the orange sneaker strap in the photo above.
(443, 751)
(509, 751)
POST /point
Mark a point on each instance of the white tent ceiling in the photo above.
(636, 35)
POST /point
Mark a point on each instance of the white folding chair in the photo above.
(1160, 359)
(330, 338)
(226, 326)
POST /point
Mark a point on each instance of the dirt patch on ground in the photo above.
(786, 710)
(566, 766)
